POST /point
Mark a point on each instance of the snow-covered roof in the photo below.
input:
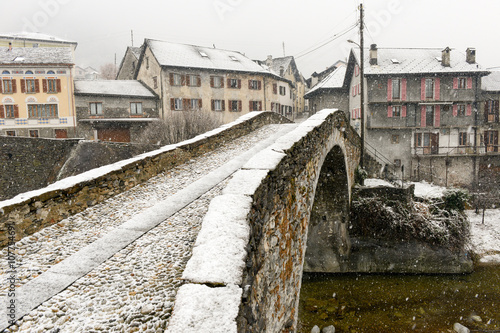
(416, 61)
(112, 88)
(36, 36)
(38, 55)
(277, 63)
(136, 51)
(491, 82)
(191, 56)
(334, 80)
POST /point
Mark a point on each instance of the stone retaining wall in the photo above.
(32, 211)
(253, 239)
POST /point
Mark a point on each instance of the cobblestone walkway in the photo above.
(135, 289)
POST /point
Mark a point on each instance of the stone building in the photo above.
(114, 110)
(189, 77)
(36, 92)
(129, 63)
(34, 40)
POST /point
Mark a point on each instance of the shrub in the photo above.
(180, 126)
(360, 175)
(455, 199)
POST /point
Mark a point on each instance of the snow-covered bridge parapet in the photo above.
(246, 269)
(29, 212)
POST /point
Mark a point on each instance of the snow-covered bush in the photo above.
(455, 199)
(360, 175)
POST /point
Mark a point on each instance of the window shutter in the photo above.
(455, 110)
(16, 111)
(272, 106)
(422, 89)
(259, 85)
(172, 104)
(437, 88)
(212, 102)
(403, 89)
(422, 114)
(275, 88)
(260, 106)
(1, 87)
(186, 103)
(37, 85)
(188, 80)
(455, 83)
(229, 83)
(2, 111)
(496, 111)
(223, 105)
(58, 83)
(239, 106)
(200, 103)
(250, 106)
(469, 110)
(437, 116)
(249, 84)
(171, 79)
(389, 111)
(239, 84)
(389, 89)
(211, 81)
(183, 80)
(198, 81)
(222, 82)
(403, 111)
(23, 85)
(44, 85)
(469, 83)
(14, 86)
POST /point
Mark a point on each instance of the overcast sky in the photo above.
(259, 28)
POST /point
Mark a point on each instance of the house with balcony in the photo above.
(422, 110)
(36, 92)
(205, 79)
(490, 89)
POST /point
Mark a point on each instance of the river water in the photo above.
(401, 303)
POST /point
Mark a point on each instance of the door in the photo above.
(61, 133)
(434, 143)
(114, 134)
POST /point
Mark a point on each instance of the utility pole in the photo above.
(132, 36)
(362, 71)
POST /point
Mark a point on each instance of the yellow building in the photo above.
(36, 92)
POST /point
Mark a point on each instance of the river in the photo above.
(401, 303)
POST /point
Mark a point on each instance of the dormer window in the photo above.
(29, 72)
(395, 61)
(203, 54)
(233, 58)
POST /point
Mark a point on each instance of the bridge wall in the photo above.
(31, 211)
(248, 259)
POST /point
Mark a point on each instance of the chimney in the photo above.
(445, 57)
(10, 46)
(373, 54)
(471, 55)
(269, 60)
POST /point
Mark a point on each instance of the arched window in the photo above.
(29, 72)
(5, 72)
(50, 72)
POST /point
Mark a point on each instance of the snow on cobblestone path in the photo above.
(134, 290)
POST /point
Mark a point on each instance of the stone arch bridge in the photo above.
(283, 210)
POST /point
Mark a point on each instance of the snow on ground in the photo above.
(485, 237)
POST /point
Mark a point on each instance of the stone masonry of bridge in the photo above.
(246, 270)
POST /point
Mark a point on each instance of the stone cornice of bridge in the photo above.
(212, 299)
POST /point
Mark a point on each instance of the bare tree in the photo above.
(108, 71)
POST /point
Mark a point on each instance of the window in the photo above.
(178, 104)
(397, 163)
(395, 139)
(462, 83)
(195, 104)
(429, 115)
(29, 72)
(155, 82)
(429, 88)
(418, 139)
(275, 88)
(5, 72)
(95, 108)
(43, 111)
(9, 111)
(282, 91)
(9, 86)
(10, 133)
(175, 79)
(491, 141)
(461, 110)
(396, 88)
(51, 85)
(136, 108)
(254, 84)
(234, 83)
(193, 80)
(147, 62)
(218, 105)
(34, 133)
(396, 111)
(31, 85)
(50, 72)
(462, 139)
(491, 111)
(255, 105)
(216, 82)
(235, 106)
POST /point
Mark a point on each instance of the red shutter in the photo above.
(496, 111)
(422, 89)
(211, 81)
(259, 85)
(37, 85)
(389, 89)
(198, 81)
(188, 80)
(223, 105)
(200, 103)
(389, 111)
(239, 84)
(172, 104)
(250, 106)
(422, 116)
(455, 83)
(437, 88)
(23, 85)
(469, 110)
(14, 86)
(171, 79)
(403, 89)
(275, 88)
(239, 106)
(58, 83)
(469, 83)
(16, 111)
(455, 110)
(403, 111)
(44, 85)
(1, 87)
(2, 112)
(437, 116)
